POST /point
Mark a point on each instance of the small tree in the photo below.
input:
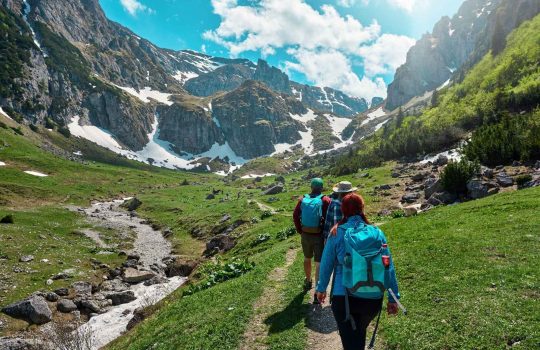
(455, 176)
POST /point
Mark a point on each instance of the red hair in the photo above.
(353, 204)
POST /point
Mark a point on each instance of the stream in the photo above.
(152, 248)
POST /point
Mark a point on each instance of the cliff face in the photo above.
(456, 43)
(253, 118)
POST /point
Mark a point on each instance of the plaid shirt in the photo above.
(333, 216)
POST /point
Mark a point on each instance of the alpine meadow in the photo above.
(269, 174)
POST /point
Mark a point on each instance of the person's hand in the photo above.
(333, 231)
(321, 297)
(392, 308)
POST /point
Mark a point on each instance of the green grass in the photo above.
(469, 275)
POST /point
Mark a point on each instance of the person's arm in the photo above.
(391, 276)
(297, 214)
(326, 203)
(327, 264)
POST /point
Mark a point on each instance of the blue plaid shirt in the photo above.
(333, 216)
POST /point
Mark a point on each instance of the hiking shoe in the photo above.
(315, 300)
(307, 284)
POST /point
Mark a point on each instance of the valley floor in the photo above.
(468, 273)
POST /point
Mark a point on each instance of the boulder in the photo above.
(26, 258)
(210, 196)
(180, 267)
(442, 197)
(384, 187)
(419, 176)
(119, 298)
(441, 160)
(82, 288)
(410, 197)
(487, 172)
(537, 165)
(395, 175)
(132, 204)
(477, 189)
(224, 218)
(132, 275)
(138, 317)
(274, 190)
(410, 210)
(33, 310)
(114, 285)
(280, 179)
(220, 242)
(431, 186)
(52, 297)
(66, 306)
(504, 180)
(62, 292)
(91, 305)
(16, 344)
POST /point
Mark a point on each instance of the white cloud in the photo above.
(134, 6)
(407, 5)
(332, 68)
(386, 54)
(322, 42)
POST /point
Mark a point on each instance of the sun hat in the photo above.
(317, 182)
(344, 187)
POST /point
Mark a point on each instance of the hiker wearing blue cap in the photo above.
(309, 216)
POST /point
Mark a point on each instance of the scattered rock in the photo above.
(410, 210)
(487, 172)
(419, 176)
(26, 258)
(443, 197)
(114, 285)
(33, 310)
(441, 160)
(16, 344)
(410, 197)
(8, 219)
(431, 186)
(477, 189)
(52, 297)
(274, 190)
(134, 256)
(537, 164)
(504, 180)
(66, 306)
(225, 217)
(516, 163)
(91, 305)
(132, 275)
(384, 187)
(180, 267)
(220, 242)
(395, 175)
(63, 292)
(210, 196)
(130, 263)
(132, 204)
(280, 179)
(82, 288)
(119, 298)
(62, 276)
(138, 317)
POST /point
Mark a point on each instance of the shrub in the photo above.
(64, 130)
(455, 176)
(220, 272)
(18, 131)
(33, 127)
(521, 180)
(286, 233)
(266, 214)
(263, 237)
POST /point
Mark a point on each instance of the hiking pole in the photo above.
(397, 301)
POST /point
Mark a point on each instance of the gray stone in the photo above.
(62, 292)
(82, 288)
(221, 242)
(537, 164)
(33, 310)
(280, 179)
(442, 198)
(410, 197)
(210, 196)
(66, 306)
(26, 258)
(179, 267)
(441, 160)
(419, 176)
(114, 285)
(132, 275)
(504, 180)
(410, 210)
(16, 344)
(487, 172)
(478, 188)
(91, 305)
(274, 190)
(52, 297)
(138, 316)
(431, 186)
(132, 204)
(119, 298)
(384, 187)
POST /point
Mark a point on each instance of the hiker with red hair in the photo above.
(357, 254)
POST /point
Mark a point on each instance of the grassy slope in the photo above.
(507, 82)
(469, 275)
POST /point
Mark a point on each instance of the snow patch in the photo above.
(309, 116)
(378, 113)
(182, 77)
(254, 176)
(97, 135)
(222, 151)
(4, 113)
(26, 12)
(35, 173)
(445, 84)
(2, 164)
(452, 154)
(337, 124)
(146, 94)
(380, 125)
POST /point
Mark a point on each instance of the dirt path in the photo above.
(257, 331)
(322, 328)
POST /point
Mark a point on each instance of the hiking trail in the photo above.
(321, 326)
(257, 332)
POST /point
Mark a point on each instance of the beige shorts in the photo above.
(313, 245)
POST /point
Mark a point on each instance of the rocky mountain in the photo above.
(75, 70)
(455, 45)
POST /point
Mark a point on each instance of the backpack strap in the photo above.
(370, 282)
(348, 317)
(372, 341)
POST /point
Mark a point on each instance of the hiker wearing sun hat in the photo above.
(308, 217)
(334, 214)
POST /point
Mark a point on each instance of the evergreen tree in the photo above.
(498, 40)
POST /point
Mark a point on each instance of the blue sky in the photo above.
(351, 45)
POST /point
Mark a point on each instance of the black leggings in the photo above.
(363, 311)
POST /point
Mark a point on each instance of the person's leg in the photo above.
(349, 339)
(307, 268)
(307, 249)
(363, 311)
